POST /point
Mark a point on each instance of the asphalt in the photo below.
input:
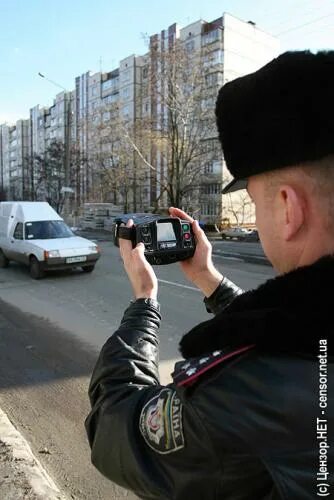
(21, 474)
(249, 252)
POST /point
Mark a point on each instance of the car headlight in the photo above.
(94, 249)
(51, 254)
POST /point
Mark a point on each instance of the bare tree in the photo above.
(49, 174)
(179, 121)
(115, 173)
(3, 194)
(238, 206)
(161, 149)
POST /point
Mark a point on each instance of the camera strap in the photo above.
(126, 233)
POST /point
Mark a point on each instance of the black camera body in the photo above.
(166, 239)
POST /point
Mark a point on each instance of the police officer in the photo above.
(248, 414)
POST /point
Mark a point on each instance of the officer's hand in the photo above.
(141, 274)
(199, 269)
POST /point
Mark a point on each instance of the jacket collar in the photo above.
(287, 314)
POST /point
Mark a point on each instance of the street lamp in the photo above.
(51, 81)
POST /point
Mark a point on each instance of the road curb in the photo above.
(25, 467)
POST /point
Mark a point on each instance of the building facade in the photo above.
(120, 121)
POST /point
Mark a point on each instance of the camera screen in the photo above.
(166, 232)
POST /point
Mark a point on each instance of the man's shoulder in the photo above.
(192, 370)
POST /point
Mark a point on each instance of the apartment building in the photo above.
(105, 102)
(14, 162)
(4, 160)
(108, 114)
(225, 48)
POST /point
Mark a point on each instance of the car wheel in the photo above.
(88, 269)
(3, 260)
(36, 271)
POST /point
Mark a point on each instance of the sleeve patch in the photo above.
(161, 423)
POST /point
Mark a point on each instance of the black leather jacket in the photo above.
(240, 419)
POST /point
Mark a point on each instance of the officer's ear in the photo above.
(292, 211)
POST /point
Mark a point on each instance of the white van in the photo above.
(34, 234)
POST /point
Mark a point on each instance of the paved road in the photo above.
(50, 334)
(244, 251)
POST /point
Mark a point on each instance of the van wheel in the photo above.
(88, 269)
(3, 260)
(36, 271)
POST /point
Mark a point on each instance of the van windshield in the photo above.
(47, 229)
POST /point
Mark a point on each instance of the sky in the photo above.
(65, 38)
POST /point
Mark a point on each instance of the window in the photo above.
(18, 233)
(208, 103)
(45, 230)
(216, 166)
(217, 57)
(213, 79)
(211, 36)
(110, 99)
(213, 58)
(211, 188)
(126, 111)
(145, 72)
(190, 46)
(209, 209)
(110, 84)
(107, 85)
(126, 93)
(126, 76)
(94, 91)
(93, 105)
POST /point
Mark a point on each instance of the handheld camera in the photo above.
(166, 239)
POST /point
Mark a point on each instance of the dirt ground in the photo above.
(13, 481)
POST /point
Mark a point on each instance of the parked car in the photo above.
(34, 234)
(210, 228)
(240, 233)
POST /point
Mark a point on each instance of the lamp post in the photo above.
(67, 136)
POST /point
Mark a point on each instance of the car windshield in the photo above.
(47, 229)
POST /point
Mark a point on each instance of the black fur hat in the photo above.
(278, 116)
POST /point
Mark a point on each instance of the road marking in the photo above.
(228, 258)
(180, 285)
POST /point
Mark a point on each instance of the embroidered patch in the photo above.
(161, 422)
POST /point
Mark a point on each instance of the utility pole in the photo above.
(67, 137)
